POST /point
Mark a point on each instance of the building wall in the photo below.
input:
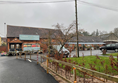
(3, 48)
(43, 43)
(0, 41)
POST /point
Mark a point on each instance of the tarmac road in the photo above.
(14, 70)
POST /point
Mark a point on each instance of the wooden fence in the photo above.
(87, 77)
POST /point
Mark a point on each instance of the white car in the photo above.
(64, 50)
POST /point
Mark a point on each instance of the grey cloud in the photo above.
(45, 15)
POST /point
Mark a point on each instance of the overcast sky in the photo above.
(47, 14)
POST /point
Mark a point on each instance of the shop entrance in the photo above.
(15, 46)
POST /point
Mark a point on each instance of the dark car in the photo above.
(110, 47)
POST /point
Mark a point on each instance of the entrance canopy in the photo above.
(85, 43)
(15, 40)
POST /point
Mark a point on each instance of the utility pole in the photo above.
(77, 27)
(5, 29)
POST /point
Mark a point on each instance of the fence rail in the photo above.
(86, 75)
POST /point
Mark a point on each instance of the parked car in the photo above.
(110, 47)
(14, 51)
(39, 51)
(64, 50)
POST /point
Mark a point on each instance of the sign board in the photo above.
(28, 37)
(31, 48)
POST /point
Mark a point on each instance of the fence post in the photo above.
(74, 72)
(30, 55)
(25, 56)
(91, 51)
(19, 54)
(16, 55)
(37, 58)
(56, 67)
(47, 64)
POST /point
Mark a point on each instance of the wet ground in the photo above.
(14, 70)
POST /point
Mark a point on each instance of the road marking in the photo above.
(29, 60)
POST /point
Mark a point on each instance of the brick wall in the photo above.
(3, 48)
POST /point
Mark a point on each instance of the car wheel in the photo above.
(116, 50)
(102, 50)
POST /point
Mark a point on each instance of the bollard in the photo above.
(25, 56)
(19, 54)
(41, 59)
(37, 59)
(47, 64)
(16, 56)
(74, 72)
(104, 52)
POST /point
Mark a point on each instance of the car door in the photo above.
(113, 46)
(108, 47)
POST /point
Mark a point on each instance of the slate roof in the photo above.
(107, 36)
(104, 36)
(87, 39)
(14, 31)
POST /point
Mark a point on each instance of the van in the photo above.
(64, 50)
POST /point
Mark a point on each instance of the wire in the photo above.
(92, 4)
(98, 6)
(19, 2)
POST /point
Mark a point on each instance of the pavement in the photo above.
(14, 70)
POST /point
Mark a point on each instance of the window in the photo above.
(112, 44)
(108, 45)
(12, 46)
(31, 45)
(17, 46)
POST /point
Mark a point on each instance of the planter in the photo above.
(3, 54)
(85, 49)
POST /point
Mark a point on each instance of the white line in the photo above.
(29, 60)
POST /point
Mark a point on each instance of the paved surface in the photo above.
(87, 53)
(94, 52)
(14, 70)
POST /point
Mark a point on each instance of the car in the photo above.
(110, 47)
(64, 50)
(14, 51)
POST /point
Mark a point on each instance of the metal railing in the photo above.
(69, 71)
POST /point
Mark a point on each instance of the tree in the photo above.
(60, 37)
(102, 32)
(97, 33)
(116, 31)
(85, 33)
(93, 33)
(65, 34)
(3, 44)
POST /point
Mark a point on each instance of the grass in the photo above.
(113, 54)
(95, 62)
(101, 64)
